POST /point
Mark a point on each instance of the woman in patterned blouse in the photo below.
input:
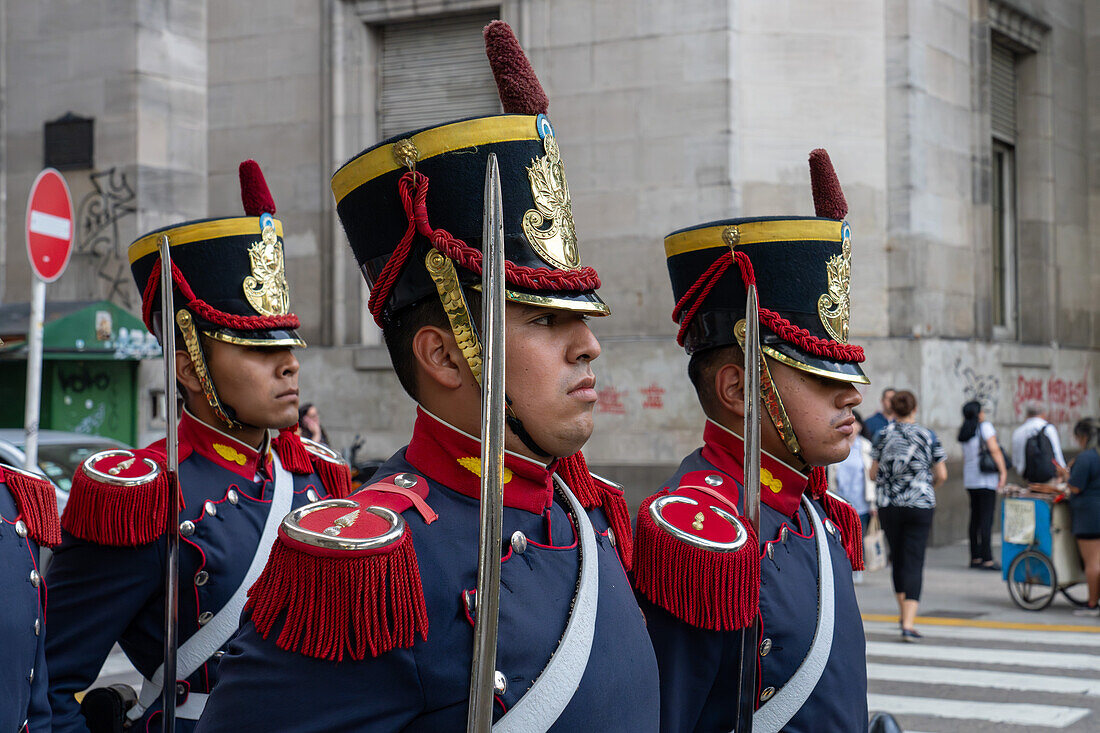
(907, 465)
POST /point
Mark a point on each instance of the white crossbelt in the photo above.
(778, 711)
(555, 686)
(201, 645)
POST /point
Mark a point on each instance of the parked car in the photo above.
(59, 454)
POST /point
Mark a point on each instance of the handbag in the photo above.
(986, 464)
(874, 546)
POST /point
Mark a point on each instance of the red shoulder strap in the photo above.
(593, 491)
(37, 504)
(842, 514)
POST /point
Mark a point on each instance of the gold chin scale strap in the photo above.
(186, 324)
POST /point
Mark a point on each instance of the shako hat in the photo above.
(228, 273)
(229, 282)
(418, 195)
(802, 269)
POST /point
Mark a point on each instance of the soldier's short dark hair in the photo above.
(701, 368)
(399, 330)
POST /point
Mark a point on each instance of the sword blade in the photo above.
(480, 712)
(171, 572)
(752, 409)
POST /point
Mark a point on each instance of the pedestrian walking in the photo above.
(882, 417)
(984, 472)
(1084, 503)
(1040, 438)
(908, 465)
(851, 481)
(309, 424)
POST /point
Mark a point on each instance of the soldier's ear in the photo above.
(729, 388)
(186, 375)
(438, 358)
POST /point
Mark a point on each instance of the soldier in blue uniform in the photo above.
(364, 617)
(239, 380)
(761, 631)
(28, 520)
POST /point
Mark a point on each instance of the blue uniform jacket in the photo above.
(699, 666)
(101, 594)
(23, 680)
(424, 688)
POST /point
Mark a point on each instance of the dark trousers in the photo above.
(906, 530)
(982, 503)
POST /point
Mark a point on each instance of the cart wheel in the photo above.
(1031, 581)
(1080, 589)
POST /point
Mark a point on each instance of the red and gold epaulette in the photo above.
(842, 514)
(345, 575)
(594, 491)
(695, 557)
(301, 456)
(330, 467)
(118, 498)
(36, 501)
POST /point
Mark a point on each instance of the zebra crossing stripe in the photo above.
(983, 678)
(1063, 638)
(974, 655)
(1037, 716)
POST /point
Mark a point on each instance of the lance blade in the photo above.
(483, 667)
(171, 570)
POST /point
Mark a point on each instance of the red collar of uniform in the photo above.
(224, 450)
(451, 457)
(781, 486)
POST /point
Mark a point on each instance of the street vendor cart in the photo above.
(1038, 554)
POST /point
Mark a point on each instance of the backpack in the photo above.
(1039, 457)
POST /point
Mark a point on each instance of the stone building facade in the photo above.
(966, 134)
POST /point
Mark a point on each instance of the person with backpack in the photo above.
(981, 453)
(1039, 438)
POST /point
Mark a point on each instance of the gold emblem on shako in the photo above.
(557, 242)
(266, 288)
(833, 306)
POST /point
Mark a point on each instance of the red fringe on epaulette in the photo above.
(37, 505)
(336, 477)
(292, 454)
(336, 607)
(842, 514)
(574, 471)
(712, 590)
(118, 516)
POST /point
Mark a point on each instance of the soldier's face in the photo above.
(820, 411)
(549, 377)
(260, 383)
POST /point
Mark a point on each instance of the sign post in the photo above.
(49, 246)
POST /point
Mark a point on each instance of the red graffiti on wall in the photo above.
(1062, 399)
(653, 397)
(610, 400)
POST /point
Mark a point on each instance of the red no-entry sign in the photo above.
(49, 225)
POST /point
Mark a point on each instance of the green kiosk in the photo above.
(90, 357)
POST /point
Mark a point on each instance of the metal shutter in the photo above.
(1003, 78)
(433, 71)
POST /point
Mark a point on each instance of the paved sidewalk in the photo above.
(954, 590)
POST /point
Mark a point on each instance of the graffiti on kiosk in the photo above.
(1063, 399)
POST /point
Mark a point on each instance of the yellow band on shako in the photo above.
(433, 142)
(199, 231)
(753, 232)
